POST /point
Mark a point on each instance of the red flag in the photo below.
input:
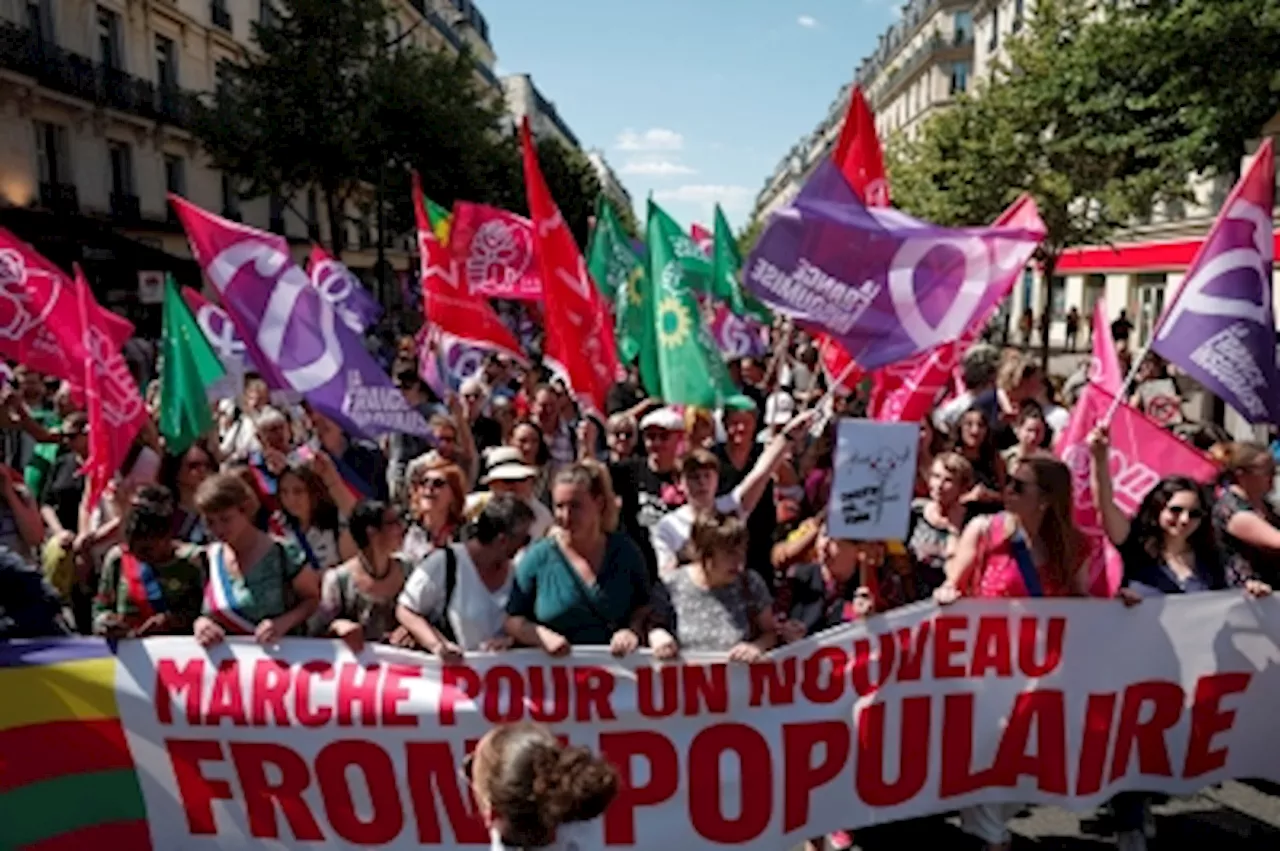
(447, 302)
(910, 389)
(858, 153)
(36, 299)
(494, 250)
(705, 239)
(579, 328)
(1142, 453)
(842, 374)
(115, 408)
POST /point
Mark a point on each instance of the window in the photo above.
(110, 53)
(52, 161)
(962, 24)
(40, 20)
(175, 175)
(1019, 12)
(121, 158)
(994, 41)
(1150, 288)
(166, 63)
(959, 77)
(230, 198)
(1057, 298)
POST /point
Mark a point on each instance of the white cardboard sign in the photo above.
(875, 472)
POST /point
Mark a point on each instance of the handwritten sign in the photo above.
(875, 469)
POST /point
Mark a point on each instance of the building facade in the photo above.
(95, 130)
(919, 65)
(610, 185)
(524, 100)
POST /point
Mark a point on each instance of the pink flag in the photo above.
(36, 299)
(705, 239)
(1142, 453)
(494, 250)
(1104, 366)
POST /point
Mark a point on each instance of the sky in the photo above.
(695, 101)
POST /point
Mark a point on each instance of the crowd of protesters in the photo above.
(524, 521)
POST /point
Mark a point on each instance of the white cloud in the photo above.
(653, 139)
(656, 168)
(807, 21)
(704, 193)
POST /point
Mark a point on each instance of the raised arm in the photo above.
(1113, 519)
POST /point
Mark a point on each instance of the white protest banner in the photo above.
(875, 471)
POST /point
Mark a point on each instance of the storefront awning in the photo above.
(1170, 256)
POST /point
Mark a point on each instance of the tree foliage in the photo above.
(1058, 120)
(327, 101)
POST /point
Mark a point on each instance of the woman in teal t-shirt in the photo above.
(586, 583)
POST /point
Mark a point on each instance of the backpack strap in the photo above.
(443, 624)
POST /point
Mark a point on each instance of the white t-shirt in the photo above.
(569, 837)
(672, 532)
(475, 613)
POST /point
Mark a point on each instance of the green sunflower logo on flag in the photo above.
(674, 323)
(634, 296)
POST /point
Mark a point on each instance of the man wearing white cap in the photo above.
(506, 473)
(649, 487)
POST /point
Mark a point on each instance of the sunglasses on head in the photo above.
(1179, 510)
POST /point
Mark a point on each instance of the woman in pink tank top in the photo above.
(1031, 549)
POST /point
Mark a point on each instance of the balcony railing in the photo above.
(60, 197)
(219, 15)
(25, 52)
(125, 207)
(932, 50)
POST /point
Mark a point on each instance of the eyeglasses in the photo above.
(1179, 510)
(657, 435)
(434, 483)
(625, 435)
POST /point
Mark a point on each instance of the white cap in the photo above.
(667, 419)
(779, 409)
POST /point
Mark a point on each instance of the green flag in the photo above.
(690, 367)
(619, 274)
(188, 366)
(695, 265)
(726, 263)
(440, 220)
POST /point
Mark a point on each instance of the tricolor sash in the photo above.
(219, 595)
(144, 589)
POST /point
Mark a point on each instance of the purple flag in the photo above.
(352, 302)
(1220, 326)
(884, 285)
(738, 336)
(290, 331)
(445, 362)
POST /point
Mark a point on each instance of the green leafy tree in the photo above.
(1055, 121)
(1216, 71)
(749, 236)
(328, 102)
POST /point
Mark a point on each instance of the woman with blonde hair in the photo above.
(257, 585)
(534, 792)
(1248, 526)
(1031, 549)
(437, 505)
(585, 583)
(935, 525)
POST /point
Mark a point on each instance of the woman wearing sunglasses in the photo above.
(1168, 548)
(534, 792)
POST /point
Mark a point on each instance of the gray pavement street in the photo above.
(1231, 817)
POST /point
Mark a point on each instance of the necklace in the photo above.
(367, 567)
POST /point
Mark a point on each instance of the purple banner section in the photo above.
(25, 653)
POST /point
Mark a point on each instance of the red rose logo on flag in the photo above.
(19, 315)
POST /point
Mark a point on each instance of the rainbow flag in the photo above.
(67, 778)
